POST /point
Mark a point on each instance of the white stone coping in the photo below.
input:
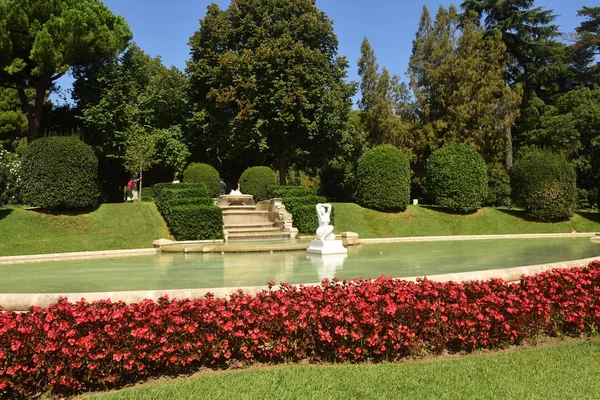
(22, 301)
(75, 255)
(475, 237)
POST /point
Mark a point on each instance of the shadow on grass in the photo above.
(447, 211)
(66, 212)
(590, 216)
(515, 213)
(4, 213)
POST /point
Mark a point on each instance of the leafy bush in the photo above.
(60, 172)
(498, 193)
(383, 179)
(165, 191)
(290, 191)
(457, 178)
(338, 182)
(10, 178)
(195, 222)
(544, 184)
(257, 181)
(170, 204)
(72, 347)
(303, 209)
(203, 173)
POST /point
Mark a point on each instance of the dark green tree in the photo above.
(41, 40)
(13, 122)
(267, 84)
(586, 48)
(384, 102)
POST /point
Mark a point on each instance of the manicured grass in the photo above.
(566, 371)
(110, 227)
(429, 221)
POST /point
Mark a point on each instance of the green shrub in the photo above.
(498, 193)
(196, 222)
(338, 182)
(60, 172)
(383, 179)
(165, 191)
(10, 178)
(203, 173)
(544, 184)
(167, 206)
(457, 178)
(290, 191)
(257, 181)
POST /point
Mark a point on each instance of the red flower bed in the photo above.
(70, 348)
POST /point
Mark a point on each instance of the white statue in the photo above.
(324, 231)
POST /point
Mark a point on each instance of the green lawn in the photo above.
(565, 371)
(428, 221)
(111, 226)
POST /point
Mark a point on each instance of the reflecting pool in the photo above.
(211, 270)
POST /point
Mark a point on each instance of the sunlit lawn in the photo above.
(564, 371)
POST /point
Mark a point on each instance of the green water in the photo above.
(196, 270)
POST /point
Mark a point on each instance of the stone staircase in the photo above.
(244, 220)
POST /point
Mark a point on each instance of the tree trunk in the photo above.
(140, 191)
(508, 149)
(282, 166)
(34, 113)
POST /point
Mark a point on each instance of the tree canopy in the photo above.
(41, 40)
(267, 84)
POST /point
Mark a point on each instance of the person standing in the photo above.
(130, 186)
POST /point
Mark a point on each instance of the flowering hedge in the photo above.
(70, 348)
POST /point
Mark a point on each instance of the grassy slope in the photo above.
(427, 221)
(567, 371)
(111, 226)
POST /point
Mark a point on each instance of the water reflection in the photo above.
(327, 265)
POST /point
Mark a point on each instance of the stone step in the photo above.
(249, 225)
(259, 236)
(230, 210)
(239, 207)
(253, 229)
(246, 217)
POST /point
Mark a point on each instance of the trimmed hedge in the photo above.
(59, 172)
(544, 183)
(457, 178)
(196, 222)
(290, 191)
(257, 181)
(383, 179)
(70, 348)
(189, 211)
(203, 173)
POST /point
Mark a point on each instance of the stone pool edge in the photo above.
(22, 301)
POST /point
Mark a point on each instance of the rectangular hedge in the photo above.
(189, 211)
(69, 348)
(304, 211)
(290, 191)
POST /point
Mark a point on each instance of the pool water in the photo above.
(211, 270)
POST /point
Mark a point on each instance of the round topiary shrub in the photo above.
(544, 184)
(257, 181)
(457, 178)
(383, 179)
(203, 173)
(59, 172)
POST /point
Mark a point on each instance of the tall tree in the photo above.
(384, 102)
(535, 58)
(457, 77)
(41, 40)
(267, 84)
(586, 49)
(128, 99)
(13, 123)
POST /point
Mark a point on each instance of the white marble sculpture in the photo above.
(326, 242)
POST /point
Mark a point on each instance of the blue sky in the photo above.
(163, 28)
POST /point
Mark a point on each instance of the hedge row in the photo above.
(290, 191)
(69, 348)
(189, 211)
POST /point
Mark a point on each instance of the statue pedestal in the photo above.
(327, 247)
